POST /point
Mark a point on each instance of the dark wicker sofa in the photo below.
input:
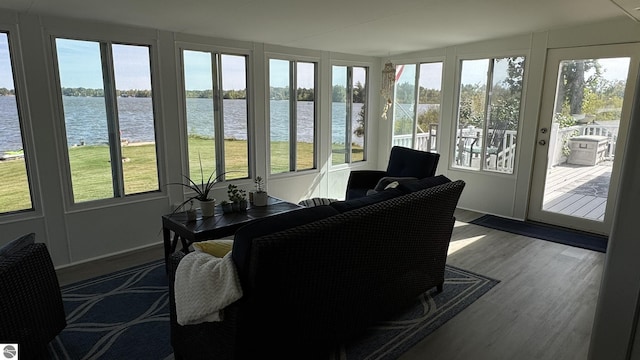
(311, 286)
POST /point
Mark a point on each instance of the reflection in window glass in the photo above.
(111, 153)
(429, 102)
(135, 117)
(416, 126)
(198, 82)
(358, 113)
(292, 116)
(339, 114)
(279, 115)
(486, 135)
(14, 192)
(348, 114)
(235, 116)
(305, 119)
(216, 103)
(405, 100)
(85, 118)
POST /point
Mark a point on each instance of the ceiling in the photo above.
(364, 27)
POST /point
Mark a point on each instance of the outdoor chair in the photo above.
(31, 309)
(403, 163)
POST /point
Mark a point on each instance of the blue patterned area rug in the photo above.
(390, 339)
(125, 315)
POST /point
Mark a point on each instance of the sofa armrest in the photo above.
(362, 180)
(195, 341)
(31, 309)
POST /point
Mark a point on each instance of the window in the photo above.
(348, 114)
(109, 118)
(488, 113)
(292, 116)
(215, 87)
(15, 194)
(417, 126)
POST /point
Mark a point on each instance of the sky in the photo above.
(6, 80)
(80, 66)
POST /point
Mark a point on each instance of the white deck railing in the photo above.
(470, 143)
(559, 137)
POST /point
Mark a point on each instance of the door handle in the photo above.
(542, 142)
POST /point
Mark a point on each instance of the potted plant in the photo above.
(202, 190)
(226, 206)
(237, 197)
(260, 197)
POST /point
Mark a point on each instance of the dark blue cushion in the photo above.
(409, 162)
(356, 203)
(17, 244)
(272, 224)
(421, 184)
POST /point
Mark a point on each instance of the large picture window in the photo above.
(489, 113)
(15, 194)
(215, 86)
(292, 115)
(109, 118)
(348, 114)
(416, 112)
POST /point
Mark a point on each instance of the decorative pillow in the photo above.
(421, 184)
(356, 203)
(316, 202)
(17, 244)
(385, 181)
(217, 248)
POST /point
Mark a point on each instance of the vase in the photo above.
(208, 207)
(260, 198)
(227, 208)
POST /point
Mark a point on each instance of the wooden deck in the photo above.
(578, 190)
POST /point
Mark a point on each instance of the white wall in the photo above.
(503, 194)
(78, 233)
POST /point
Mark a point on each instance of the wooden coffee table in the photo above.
(214, 227)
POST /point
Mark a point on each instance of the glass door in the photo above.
(581, 135)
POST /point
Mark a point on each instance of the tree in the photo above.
(572, 82)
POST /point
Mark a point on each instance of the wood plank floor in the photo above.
(543, 308)
(578, 190)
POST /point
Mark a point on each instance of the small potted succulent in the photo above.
(260, 197)
(237, 197)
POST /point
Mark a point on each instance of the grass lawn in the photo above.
(91, 168)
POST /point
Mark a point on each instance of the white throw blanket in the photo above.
(205, 285)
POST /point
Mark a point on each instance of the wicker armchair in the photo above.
(31, 308)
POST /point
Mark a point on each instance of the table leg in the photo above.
(166, 235)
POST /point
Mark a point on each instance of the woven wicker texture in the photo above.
(31, 309)
(313, 286)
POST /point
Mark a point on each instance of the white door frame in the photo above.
(554, 56)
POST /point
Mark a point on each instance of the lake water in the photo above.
(85, 120)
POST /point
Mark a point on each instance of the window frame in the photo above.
(349, 112)
(416, 98)
(26, 127)
(489, 88)
(216, 52)
(67, 187)
(293, 61)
